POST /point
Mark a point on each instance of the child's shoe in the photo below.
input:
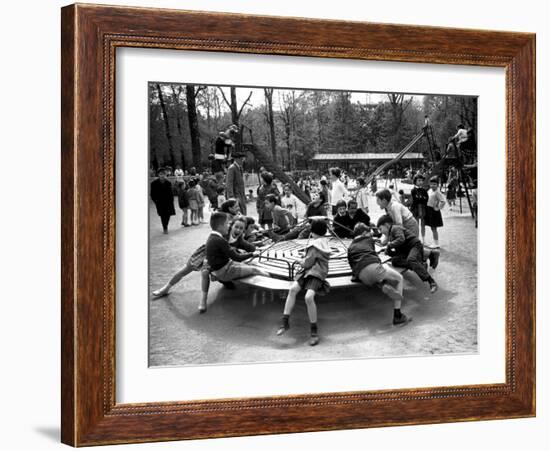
(313, 339)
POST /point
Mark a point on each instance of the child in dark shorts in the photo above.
(312, 278)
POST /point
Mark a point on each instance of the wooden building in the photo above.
(357, 162)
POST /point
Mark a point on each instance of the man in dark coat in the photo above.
(235, 181)
(163, 197)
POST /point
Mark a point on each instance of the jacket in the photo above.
(401, 240)
(316, 262)
(163, 197)
(361, 253)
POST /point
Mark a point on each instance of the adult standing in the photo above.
(163, 197)
(338, 191)
(235, 180)
(362, 197)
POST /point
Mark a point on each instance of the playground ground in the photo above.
(240, 324)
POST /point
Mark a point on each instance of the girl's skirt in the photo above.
(433, 217)
(321, 287)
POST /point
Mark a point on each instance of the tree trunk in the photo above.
(176, 98)
(166, 125)
(194, 126)
(271, 121)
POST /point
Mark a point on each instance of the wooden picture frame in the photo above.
(90, 36)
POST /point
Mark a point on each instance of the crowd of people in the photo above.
(236, 237)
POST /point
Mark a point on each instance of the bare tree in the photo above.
(191, 96)
(176, 97)
(166, 124)
(268, 92)
(235, 111)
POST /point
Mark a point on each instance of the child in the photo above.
(193, 198)
(451, 190)
(225, 263)
(183, 203)
(419, 201)
(406, 250)
(290, 202)
(317, 206)
(436, 202)
(231, 208)
(400, 214)
(356, 215)
(200, 210)
(280, 216)
(266, 188)
(196, 263)
(221, 196)
(367, 268)
(253, 234)
(312, 278)
(342, 221)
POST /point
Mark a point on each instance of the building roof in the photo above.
(365, 156)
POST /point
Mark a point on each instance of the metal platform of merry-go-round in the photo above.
(282, 261)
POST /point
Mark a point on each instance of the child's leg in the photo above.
(289, 305)
(205, 285)
(435, 235)
(184, 216)
(393, 286)
(312, 314)
(291, 298)
(173, 281)
(422, 228)
(311, 307)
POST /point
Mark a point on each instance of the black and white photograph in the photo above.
(293, 224)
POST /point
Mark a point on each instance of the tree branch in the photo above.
(225, 98)
(244, 104)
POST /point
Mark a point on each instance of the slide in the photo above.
(398, 157)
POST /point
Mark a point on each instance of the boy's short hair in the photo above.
(319, 227)
(287, 185)
(434, 179)
(341, 203)
(323, 182)
(271, 198)
(336, 172)
(217, 219)
(361, 181)
(161, 171)
(267, 177)
(192, 183)
(360, 228)
(220, 190)
(384, 219)
(249, 221)
(352, 202)
(418, 177)
(226, 205)
(384, 194)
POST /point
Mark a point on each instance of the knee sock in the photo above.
(313, 328)
(396, 312)
(285, 322)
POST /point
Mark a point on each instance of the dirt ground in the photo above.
(240, 324)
